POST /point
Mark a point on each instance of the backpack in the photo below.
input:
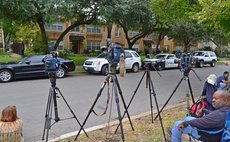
(226, 132)
(200, 103)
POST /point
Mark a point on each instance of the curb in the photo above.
(67, 135)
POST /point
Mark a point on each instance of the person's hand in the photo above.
(199, 112)
(181, 126)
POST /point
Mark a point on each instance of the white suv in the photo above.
(204, 57)
(100, 64)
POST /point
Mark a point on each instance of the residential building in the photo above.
(92, 37)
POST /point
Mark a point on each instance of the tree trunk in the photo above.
(83, 21)
(41, 23)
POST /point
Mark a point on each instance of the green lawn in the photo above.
(8, 58)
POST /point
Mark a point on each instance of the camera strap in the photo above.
(107, 104)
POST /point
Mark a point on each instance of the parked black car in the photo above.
(32, 66)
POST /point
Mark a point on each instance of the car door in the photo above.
(128, 60)
(32, 66)
(169, 61)
(207, 57)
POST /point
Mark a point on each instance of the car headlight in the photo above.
(96, 63)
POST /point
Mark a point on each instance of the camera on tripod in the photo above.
(113, 53)
(186, 63)
(51, 63)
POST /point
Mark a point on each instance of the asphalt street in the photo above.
(80, 90)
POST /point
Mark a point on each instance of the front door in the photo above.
(76, 46)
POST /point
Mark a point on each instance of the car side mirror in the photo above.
(205, 55)
(27, 62)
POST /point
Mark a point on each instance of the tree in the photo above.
(131, 15)
(43, 12)
(170, 12)
(215, 14)
(218, 37)
(187, 33)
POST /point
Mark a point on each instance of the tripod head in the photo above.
(186, 63)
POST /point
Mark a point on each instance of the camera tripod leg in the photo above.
(169, 97)
(71, 110)
(148, 79)
(123, 101)
(118, 108)
(190, 89)
(55, 105)
(91, 109)
(48, 115)
(134, 94)
(157, 106)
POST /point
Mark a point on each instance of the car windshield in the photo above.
(198, 54)
(160, 56)
(102, 55)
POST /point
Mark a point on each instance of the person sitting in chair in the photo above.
(212, 121)
(222, 81)
(209, 89)
(10, 126)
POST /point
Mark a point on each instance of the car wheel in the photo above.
(61, 72)
(6, 75)
(159, 67)
(105, 70)
(213, 64)
(201, 64)
(135, 68)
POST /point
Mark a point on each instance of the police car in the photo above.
(161, 61)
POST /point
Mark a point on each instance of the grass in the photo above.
(145, 130)
(79, 69)
(78, 60)
(7, 58)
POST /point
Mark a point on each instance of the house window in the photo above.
(51, 44)
(76, 29)
(132, 33)
(93, 29)
(93, 45)
(54, 27)
(136, 47)
(117, 32)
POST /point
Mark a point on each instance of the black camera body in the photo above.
(186, 63)
(51, 63)
(114, 52)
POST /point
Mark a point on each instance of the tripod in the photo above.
(188, 84)
(52, 102)
(111, 76)
(149, 84)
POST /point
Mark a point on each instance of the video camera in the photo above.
(51, 62)
(186, 63)
(113, 53)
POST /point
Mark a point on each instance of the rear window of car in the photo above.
(198, 54)
(212, 54)
(128, 55)
(135, 54)
(160, 56)
(102, 55)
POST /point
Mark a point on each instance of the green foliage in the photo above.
(78, 60)
(215, 14)
(65, 53)
(207, 48)
(5, 57)
(186, 32)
